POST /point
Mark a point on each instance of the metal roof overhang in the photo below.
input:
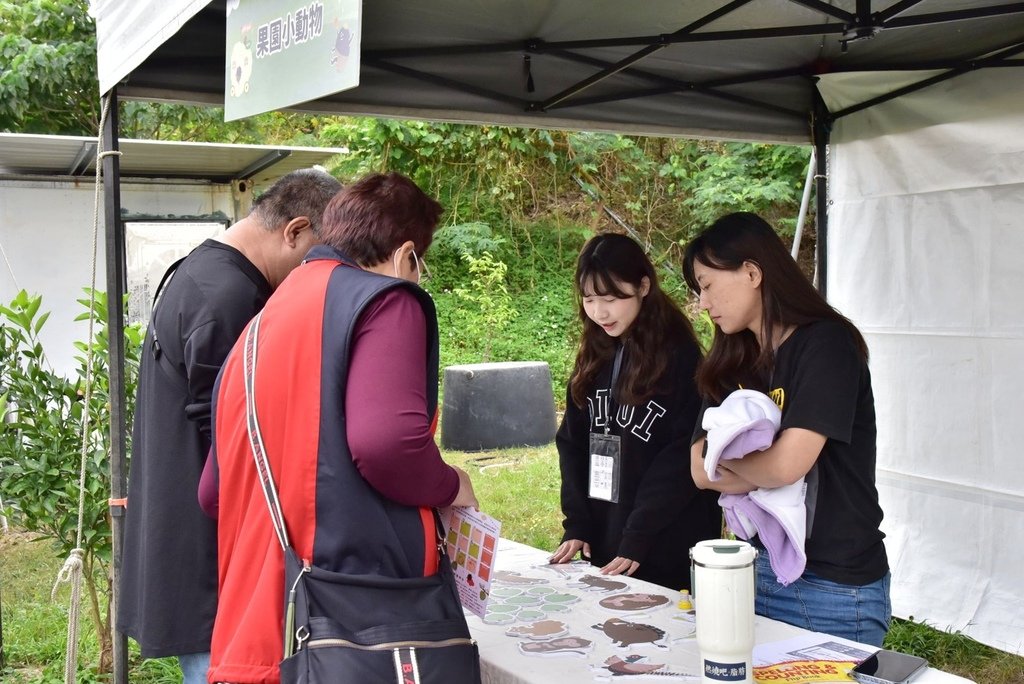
(49, 155)
(744, 69)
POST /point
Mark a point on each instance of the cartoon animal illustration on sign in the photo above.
(598, 583)
(625, 633)
(241, 64)
(340, 51)
(635, 667)
(571, 645)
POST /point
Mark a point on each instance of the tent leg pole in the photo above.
(822, 128)
(805, 201)
(115, 260)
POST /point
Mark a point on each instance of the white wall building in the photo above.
(173, 195)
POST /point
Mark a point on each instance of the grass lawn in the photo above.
(517, 486)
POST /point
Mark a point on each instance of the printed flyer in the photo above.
(472, 539)
(812, 658)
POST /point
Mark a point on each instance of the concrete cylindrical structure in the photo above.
(497, 405)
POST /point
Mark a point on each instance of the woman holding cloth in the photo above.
(629, 503)
(775, 333)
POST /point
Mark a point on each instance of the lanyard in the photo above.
(616, 367)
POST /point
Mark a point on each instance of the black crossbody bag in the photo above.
(362, 629)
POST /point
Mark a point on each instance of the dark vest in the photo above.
(358, 530)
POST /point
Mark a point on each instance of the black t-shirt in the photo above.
(660, 513)
(821, 384)
(168, 586)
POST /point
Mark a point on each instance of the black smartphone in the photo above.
(889, 667)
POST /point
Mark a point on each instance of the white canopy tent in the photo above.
(922, 168)
(925, 219)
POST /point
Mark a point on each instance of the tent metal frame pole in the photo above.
(998, 59)
(888, 19)
(446, 82)
(826, 9)
(897, 9)
(954, 15)
(115, 259)
(822, 127)
(622, 64)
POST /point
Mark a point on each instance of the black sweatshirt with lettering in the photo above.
(660, 513)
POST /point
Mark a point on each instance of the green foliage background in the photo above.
(528, 199)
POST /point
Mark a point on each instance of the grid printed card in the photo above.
(472, 542)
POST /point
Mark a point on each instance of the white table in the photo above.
(546, 625)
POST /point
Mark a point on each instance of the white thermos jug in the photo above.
(723, 590)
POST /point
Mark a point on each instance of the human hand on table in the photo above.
(620, 566)
(567, 551)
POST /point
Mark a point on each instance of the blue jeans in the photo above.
(194, 667)
(860, 613)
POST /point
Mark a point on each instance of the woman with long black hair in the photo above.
(776, 334)
(629, 503)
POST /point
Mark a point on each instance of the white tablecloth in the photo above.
(546, 624)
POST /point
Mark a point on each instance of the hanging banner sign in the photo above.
(283, 52)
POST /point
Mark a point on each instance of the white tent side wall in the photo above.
(926, 229)
(46, 236)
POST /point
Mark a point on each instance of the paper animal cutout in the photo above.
(544, 629)
(598, 583)
(636, 667)
(566, 570)
(513, 577)
(570, 645)
(625, 634)
(634, 601)
(526, 604)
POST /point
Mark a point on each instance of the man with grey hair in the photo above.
(168, 591)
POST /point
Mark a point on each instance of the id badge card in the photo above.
(605, 461)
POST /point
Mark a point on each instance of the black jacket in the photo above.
(660, 513)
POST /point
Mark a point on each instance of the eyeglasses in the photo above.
(424, 271)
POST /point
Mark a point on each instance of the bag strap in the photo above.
(167, 276)
(156, 350)
(252, 424)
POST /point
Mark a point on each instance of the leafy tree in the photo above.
(490, 305)
(197, 123)
(41, 448)
(48, 84)
(48, 81)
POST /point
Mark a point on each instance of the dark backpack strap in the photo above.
(166, 276)
(157, 352)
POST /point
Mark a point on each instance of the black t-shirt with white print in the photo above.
(821, 384)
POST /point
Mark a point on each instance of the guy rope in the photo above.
(71, 572)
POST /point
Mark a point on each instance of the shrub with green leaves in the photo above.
(41, 442)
